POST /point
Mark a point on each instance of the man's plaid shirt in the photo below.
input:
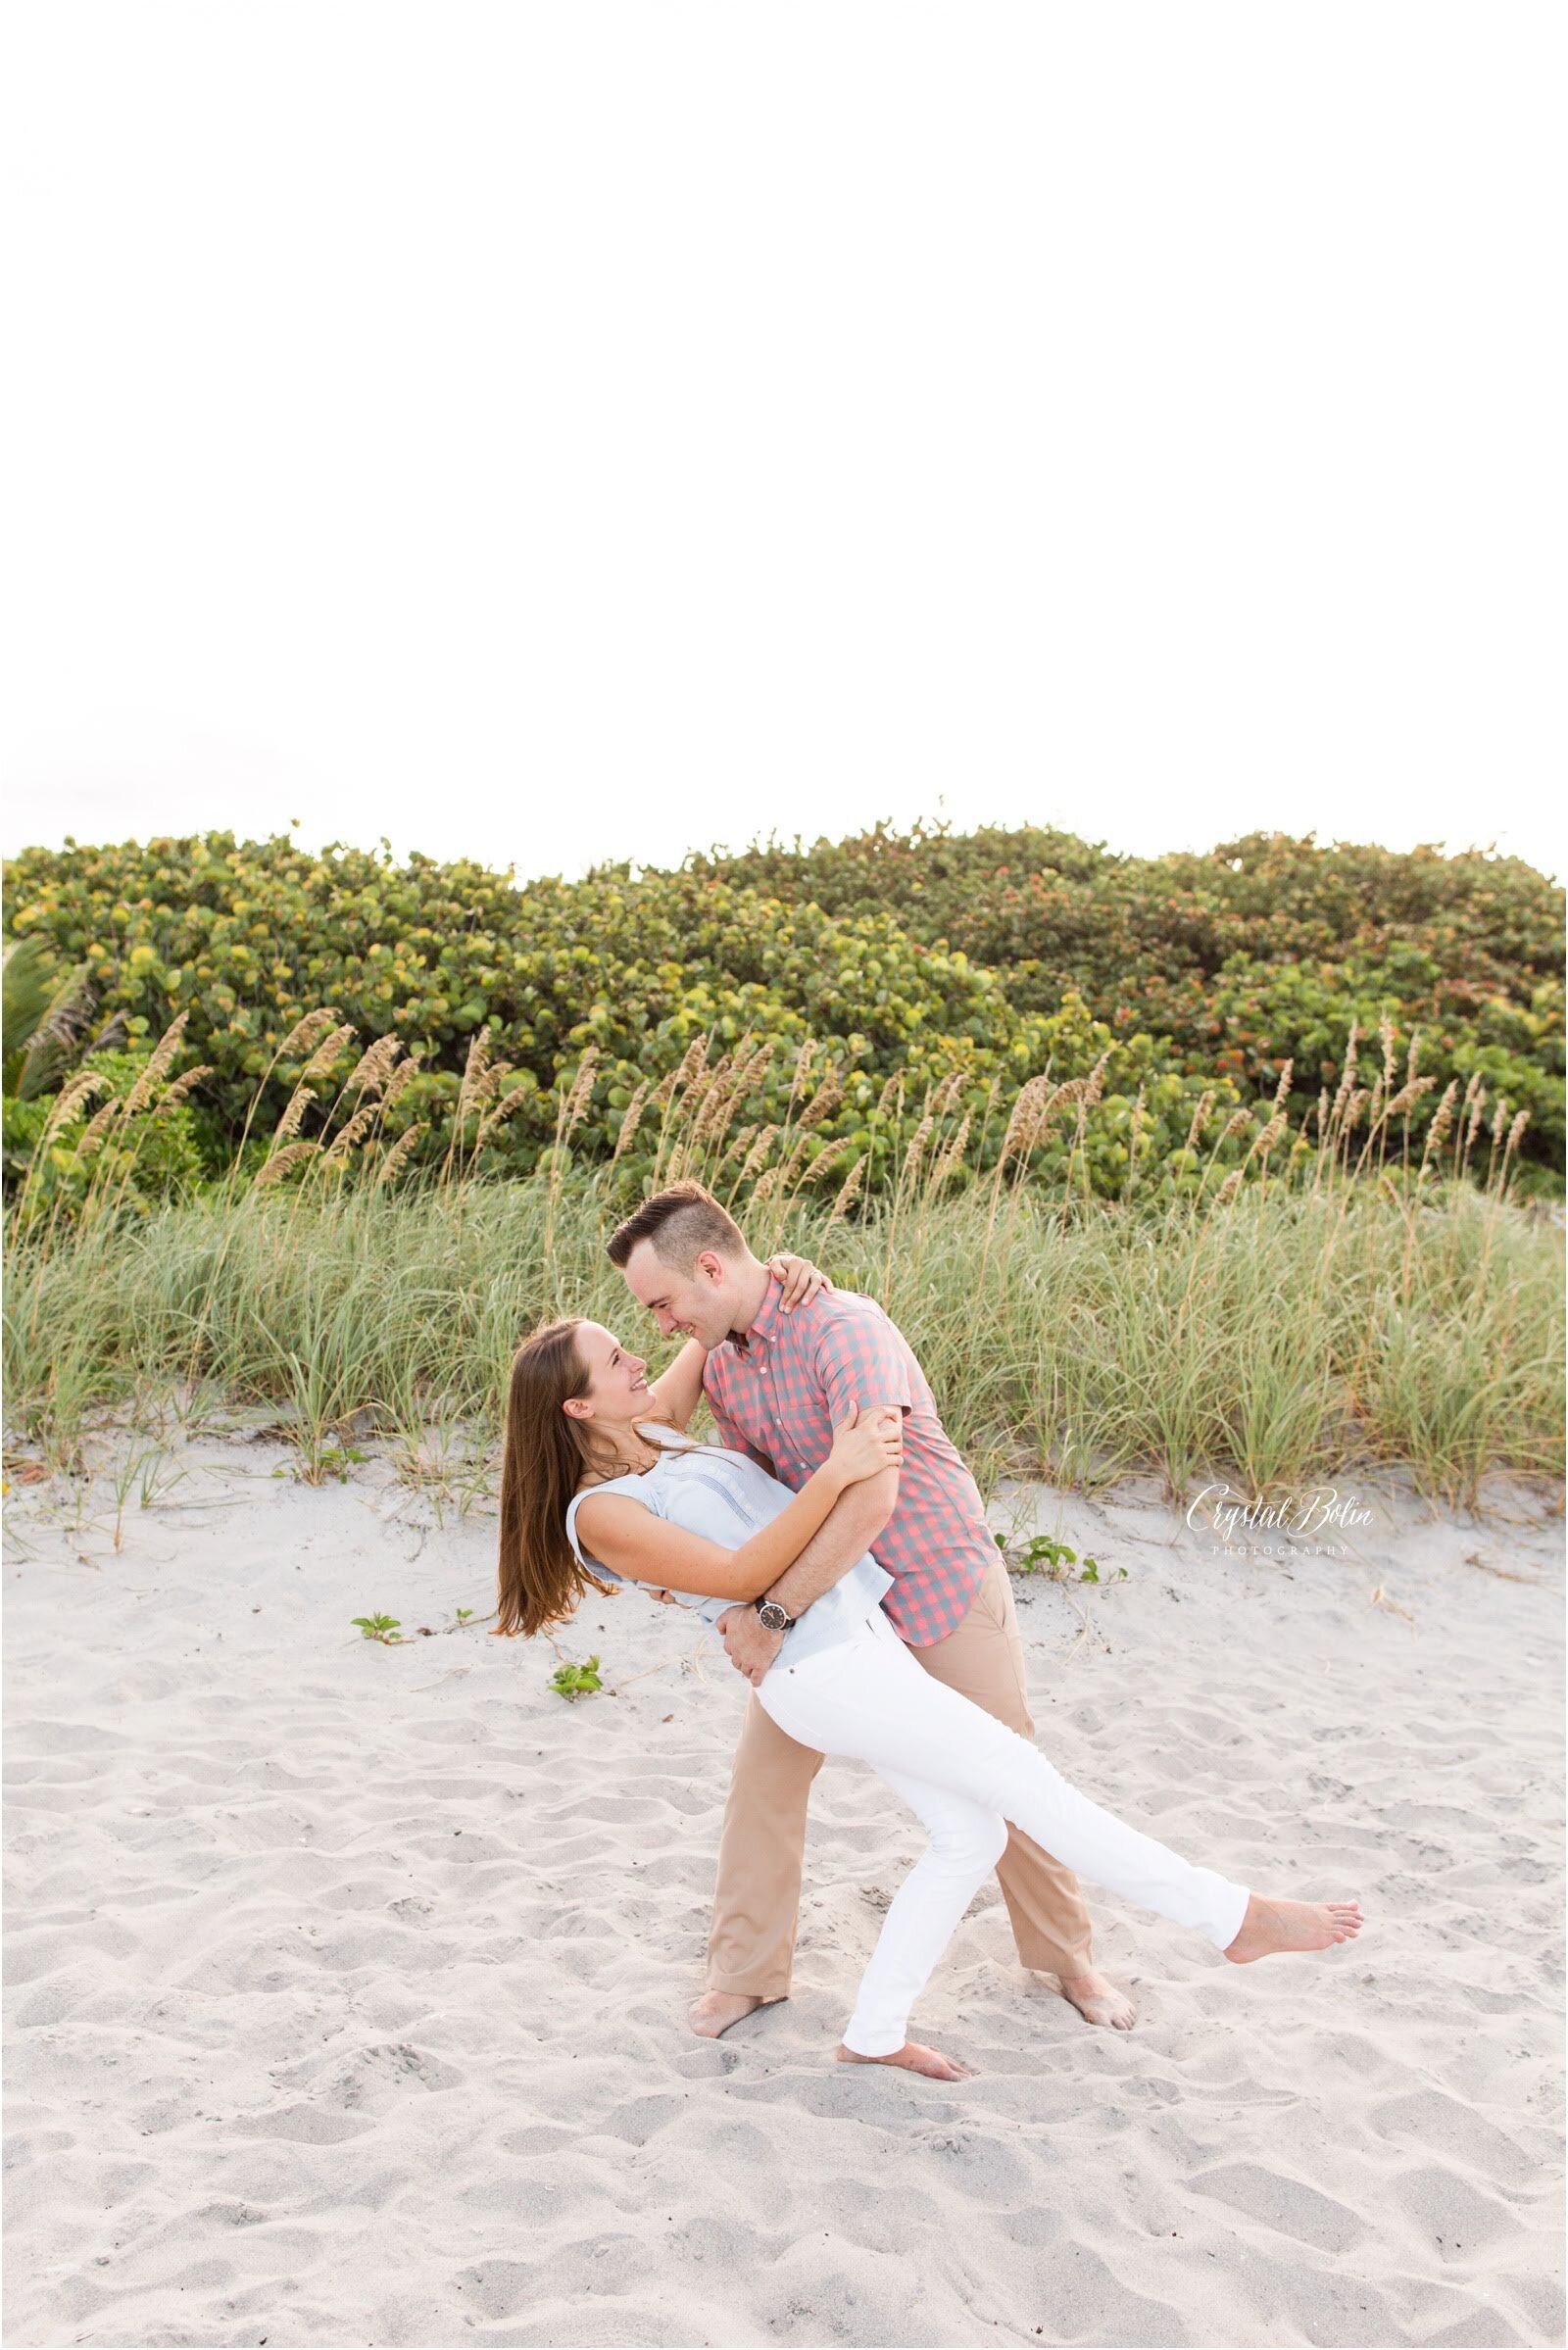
(777, 1392)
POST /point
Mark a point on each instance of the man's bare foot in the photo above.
(1271, 1926)
(1098, 2001)
(716, 2011)
(912, 2058)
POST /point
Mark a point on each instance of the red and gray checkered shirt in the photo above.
(779, 1391)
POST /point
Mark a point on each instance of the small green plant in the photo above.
(576, 1680)
(318, 1464)
(1042, 1556)
(337, 1460)
(386, 1629)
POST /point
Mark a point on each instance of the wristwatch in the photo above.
(773, 1616)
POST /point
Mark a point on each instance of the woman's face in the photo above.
(617, 1389)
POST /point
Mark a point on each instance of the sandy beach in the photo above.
(346, 1985)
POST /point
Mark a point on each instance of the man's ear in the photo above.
(711, 1265)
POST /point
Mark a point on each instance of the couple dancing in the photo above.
(838, 1543)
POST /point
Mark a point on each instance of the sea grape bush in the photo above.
(904, 963)
(1264, 950)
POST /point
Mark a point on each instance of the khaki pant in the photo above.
(762, 1847)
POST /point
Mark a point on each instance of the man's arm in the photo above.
(856, 1518)
(860, 1360)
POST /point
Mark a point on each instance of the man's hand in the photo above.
(748, 1643)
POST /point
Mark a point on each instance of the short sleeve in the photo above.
(860, 1360)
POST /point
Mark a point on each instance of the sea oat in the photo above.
(401, 1079)
(358, 1127)
(370, 1071)
(915, 1150)
(184, 1084)
(802, 1069)
(1347, 1074)
(164, 1052)
(829, 1093)
(1443, 1115)
(288, 1125)
(500, 1114)
(848, 1192)
(96, 1128)
(80, 1090)
(632, 1119)
(1026, 1112)
(582, 1093)
(281, 1162)
(303, 1035)
(950, 1155)
(326, 1052)
(794, 1167)
(1205, 1102)
(753, 1161)
(473, 1070)
(399, 1151)
(739, 1145)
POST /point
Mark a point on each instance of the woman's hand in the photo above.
(803, 1280)
(866, 1444)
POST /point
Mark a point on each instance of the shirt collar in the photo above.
(752, 1344)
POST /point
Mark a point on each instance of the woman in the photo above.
(598, 1482)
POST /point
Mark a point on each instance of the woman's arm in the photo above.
(628, 1537)
(678, 1391)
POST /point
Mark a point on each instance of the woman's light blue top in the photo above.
(728, 1498)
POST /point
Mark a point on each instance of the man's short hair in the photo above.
(681, 1222)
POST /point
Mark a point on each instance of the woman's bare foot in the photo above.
(1098, 2001)
(912, 2058)
(716, 2011)
(1271, 1926)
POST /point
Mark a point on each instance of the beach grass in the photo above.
(1294, 1333)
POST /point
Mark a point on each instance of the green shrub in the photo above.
(912, 961)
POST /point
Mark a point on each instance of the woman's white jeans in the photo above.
(966, 1776)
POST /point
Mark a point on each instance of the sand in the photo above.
(347, 1985)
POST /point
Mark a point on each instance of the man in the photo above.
(777, 1382)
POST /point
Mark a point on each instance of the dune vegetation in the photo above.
(1110, 1252)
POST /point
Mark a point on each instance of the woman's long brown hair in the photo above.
(544, 1455)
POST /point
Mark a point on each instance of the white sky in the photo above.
(560, 430)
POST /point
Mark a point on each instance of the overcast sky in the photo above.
(558, 430)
